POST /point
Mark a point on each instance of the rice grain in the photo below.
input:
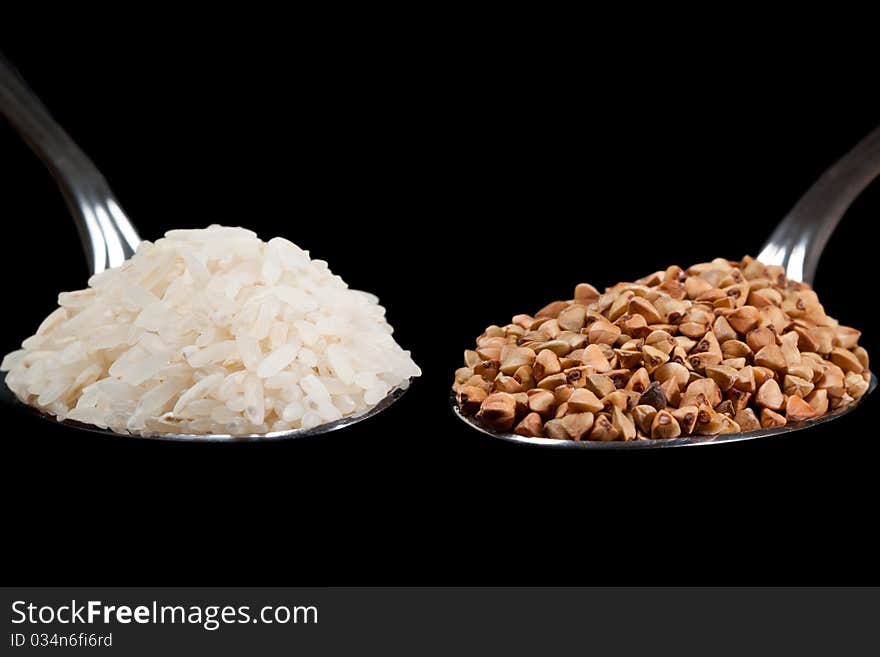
(211, 331)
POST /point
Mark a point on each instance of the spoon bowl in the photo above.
(8, 397)
(683, 441)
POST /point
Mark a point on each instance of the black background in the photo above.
(461, 186)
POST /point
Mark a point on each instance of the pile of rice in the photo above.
(211, 331)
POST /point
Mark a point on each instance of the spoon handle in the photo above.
(107, 235)
(799, 239)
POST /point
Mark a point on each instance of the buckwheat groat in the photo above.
(721, 347)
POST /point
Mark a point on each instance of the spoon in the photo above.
(108, 236)
(797, 245)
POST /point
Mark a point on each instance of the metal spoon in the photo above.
(108, 236)
(796, 244)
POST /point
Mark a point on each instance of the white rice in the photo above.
(211, 331)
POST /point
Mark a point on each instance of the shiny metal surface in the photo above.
(107, 235)
(799, 239)
(797, 244)
(109, 238)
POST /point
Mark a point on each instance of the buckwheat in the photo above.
(678, 352)
(665, 426)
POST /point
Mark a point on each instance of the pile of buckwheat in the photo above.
(721, 347)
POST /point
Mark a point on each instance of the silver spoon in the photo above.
(108, 236)
(796, 244)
